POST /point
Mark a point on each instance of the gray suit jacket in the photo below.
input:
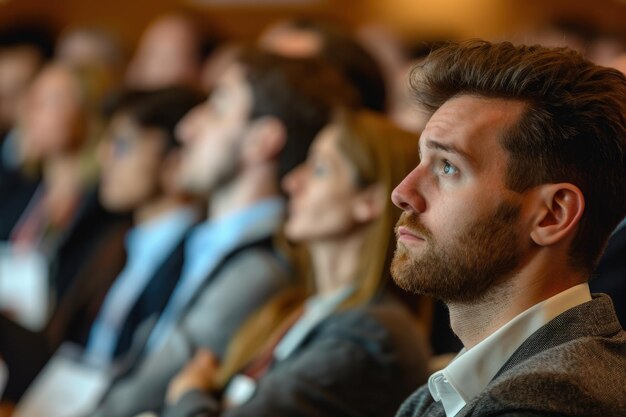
(360, 362)
(241, 287)
(573, 366)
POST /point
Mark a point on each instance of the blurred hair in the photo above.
(381, 154)
(87, 90)
(300, 92)
(351, 59)
(35, 34)
(161, 109)
(573, 128)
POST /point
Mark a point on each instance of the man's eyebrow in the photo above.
(432, 144)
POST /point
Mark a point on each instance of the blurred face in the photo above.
(18, 67)
(51, 117)
(166, 56)
(290, 41)
(212, 134)
(459, 234)
(322, 193)
(131, 157)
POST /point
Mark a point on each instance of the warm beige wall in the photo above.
(412, 18)
(455, 18)
(128, 17)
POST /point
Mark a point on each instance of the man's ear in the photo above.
(559, 209)
(264, 140)
(370, 203)
(168, 174)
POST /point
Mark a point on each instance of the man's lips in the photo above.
(406, 234)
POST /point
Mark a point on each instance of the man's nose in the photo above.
(407, 195)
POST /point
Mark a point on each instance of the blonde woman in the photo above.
(349, 348)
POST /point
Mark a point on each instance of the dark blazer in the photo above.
(82, 240)
(154, 298)
(16, 191)
(574, 366)
(361, 362)
(610, 275)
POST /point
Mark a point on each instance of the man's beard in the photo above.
(483, 256)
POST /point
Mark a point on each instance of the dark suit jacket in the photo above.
(154, 298)
(575, 365)
(360, 362)
(16, 191)
(82, 240)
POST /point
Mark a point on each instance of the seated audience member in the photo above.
(351, 348)
(63, 225)
(169, 53)
(305, 38)
(55, 135)
(256, 125)
(94, 48)
(139, 166)
(521, 182)
(23, 52)
(138, 175)
(24, 48)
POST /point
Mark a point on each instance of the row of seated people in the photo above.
(190, 285)
(271, 317)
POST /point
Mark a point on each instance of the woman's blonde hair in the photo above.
(381, 155)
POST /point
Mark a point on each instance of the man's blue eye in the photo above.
(449, 169)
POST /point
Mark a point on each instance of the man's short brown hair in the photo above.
(301, 92)
(573, 128)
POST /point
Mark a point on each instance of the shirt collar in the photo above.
(620, 226)
(316, 309)
(472, 370)
(328, 302)
(245, 225)
(149, 238)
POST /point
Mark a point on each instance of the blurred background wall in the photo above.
(412, 20)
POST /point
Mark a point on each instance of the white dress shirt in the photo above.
(472, 370)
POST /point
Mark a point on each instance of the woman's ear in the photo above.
(370, 203)
(264, 140)
(559, 209)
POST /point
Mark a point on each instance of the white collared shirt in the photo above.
(472, 370)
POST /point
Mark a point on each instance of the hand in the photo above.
(199, 373)
(6, 409)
